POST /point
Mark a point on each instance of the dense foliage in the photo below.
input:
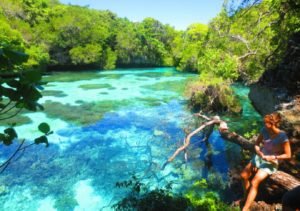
(53, 34)
(238, 43)
(140, 197)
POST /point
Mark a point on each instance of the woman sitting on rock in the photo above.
(275, 147)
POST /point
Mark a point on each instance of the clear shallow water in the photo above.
(107, 127)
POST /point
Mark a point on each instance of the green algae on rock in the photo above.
(85, 113)
(55, 93)
(71, 76)
(95, 86)
(218, 97)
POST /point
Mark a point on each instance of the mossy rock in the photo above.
(216, 98)
(149, 101)
(17, 120)
(167, 85)
(71, 76)
(95, 86)
(112, 76)
(111, 88)
(55, 93)
(65, 202)
(83, 114)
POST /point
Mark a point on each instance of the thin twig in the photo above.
(6, 105)
(4, 112)
(12, 115)
(6, 163)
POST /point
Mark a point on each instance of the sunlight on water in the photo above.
(130, 122)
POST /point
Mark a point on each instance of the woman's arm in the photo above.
(286, 151)
(256, 146)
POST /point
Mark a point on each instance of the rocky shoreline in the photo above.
(278, 90)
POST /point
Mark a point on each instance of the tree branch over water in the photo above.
(277, 180)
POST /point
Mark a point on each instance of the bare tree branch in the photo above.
(4, 112)
(247, 9)
(7, 162)
(6, 106)
(12, 115)
(247, 54)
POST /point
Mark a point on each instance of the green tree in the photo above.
(89, 54)
(111, 57)
(190, 46)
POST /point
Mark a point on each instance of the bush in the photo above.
(212, 95)
(141, 198)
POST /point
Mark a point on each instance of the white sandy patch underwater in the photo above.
(86, 197)
(47, 204)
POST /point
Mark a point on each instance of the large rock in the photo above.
(291, 119)
(263, 98)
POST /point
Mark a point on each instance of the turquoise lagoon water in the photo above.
(109, 126)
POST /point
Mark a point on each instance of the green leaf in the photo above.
(15, 56)
(11, 94)
(32, 76)
(7, 141)
(11, 133)
(40, 106)
(39, 87)
(44, 127)
(20, 105)
(30, 94)
(51, 132)
(13, 83)
(2, 137)
(41, 139)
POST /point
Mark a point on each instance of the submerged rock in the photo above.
(263, 98)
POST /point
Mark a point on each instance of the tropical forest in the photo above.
(100, 112)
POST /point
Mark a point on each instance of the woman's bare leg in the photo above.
(245, 175)
(258, 178)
